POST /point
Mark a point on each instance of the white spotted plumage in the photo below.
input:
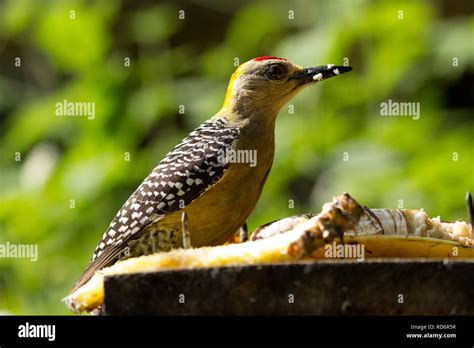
(183, 175)
(202, 146)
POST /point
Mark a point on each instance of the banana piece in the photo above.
(343, 229)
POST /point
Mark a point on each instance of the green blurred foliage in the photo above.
(188, 62)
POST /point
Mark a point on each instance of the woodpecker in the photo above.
(198, 181)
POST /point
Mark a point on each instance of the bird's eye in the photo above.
(275, 72)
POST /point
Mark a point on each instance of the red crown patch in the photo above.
(259, 59)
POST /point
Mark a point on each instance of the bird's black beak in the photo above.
(319, 73)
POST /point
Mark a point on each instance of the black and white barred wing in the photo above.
(185, 173)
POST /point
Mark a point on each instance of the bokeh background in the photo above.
(73, 173)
